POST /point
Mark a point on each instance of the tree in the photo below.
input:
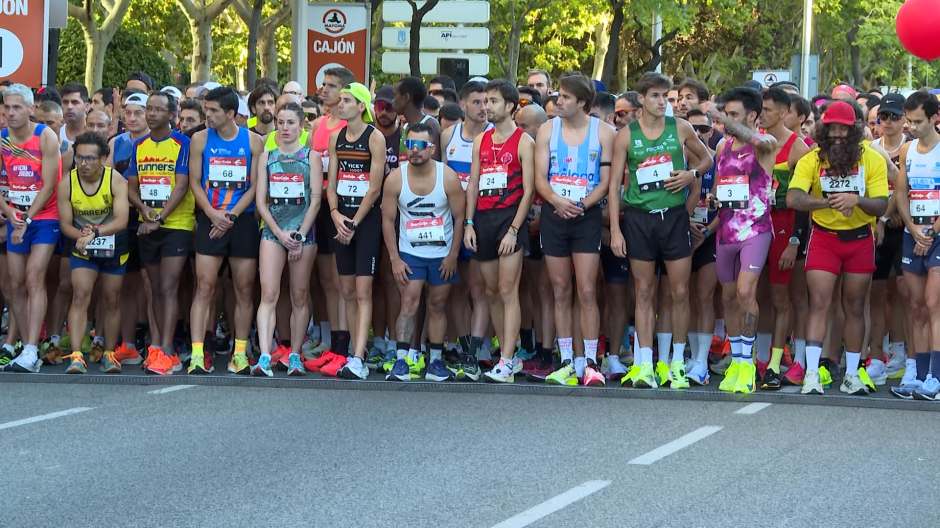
(201, 14)
(164, 29)
(97, 38)
(513, 21)
(261, 35)
(417, 15)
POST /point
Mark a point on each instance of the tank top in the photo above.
(743, 188)
(425, 223)
(270, 143)
(226, 169)
(895, 156)
(289, 187)
(650, 162)
(4, 184)
(355, 164)
(923, 179)
(460, 154)
(782, 174)
(392, 156)
(96, 209)
(24, 172)
(500, 172)
(321, 144)
(574, 170)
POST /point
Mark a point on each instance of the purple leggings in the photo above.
(749, 255)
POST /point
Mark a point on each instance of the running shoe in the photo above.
(151, 355)
(295, 367)
(158, 363)
(399, 372)
(52, 355)
(309, 346)
(825, 378)
(746, 378)
(416, 367)
(811, 383)
(279, 357)
(662, 373)
(314, 365)
(375, 358)
(263, 367)
(866, 380)
(485, 357)
(126, 356)
(437, 371)
(320, 349)
(97, 352)
(353, 369)
(109, 364)
(530, 365)
(876, 372)
(794, 376)
(853, 385)
(731, 377)
(896, 367)
(929, 390)
(516, 365)
(524, 355)
(646, 377)
(722, 366)
(541, 371)
(5, 358)
(86, 344)
(717, 346)
(76, 364)
(630, 377)
(697, 373)
(200, 363)
(563, 376)
(332, 368)
(239, 364)
(182, 350)
(391, 356)
(26, 362)
(501, 373)
(906, 390)
(910, 371)
(615, 369)
(677, 377)
(770, 381)
(761, 367)
(593, 378)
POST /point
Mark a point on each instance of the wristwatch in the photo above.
(25, 217)
(795, 241)
(232, 216)
(694, 173)
(467, 222)
(931, 233)
(95, 232)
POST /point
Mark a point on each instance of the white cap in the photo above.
(211, 85)
(138, 99)
(174, 91)
(483, 80)
(242, 107)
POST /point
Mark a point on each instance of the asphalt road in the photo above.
(206, 456)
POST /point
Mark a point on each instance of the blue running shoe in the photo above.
(437, 371)
(400, 372)
(295, 366)
(263, 367)
(374, 358)
(524, 355)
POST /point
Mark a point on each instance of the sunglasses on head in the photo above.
(524, 103)
(890, 117)
(383, 106)
(419, 144)
(702, 129)
(623, 113)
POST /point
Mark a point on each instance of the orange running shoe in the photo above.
(279, 357)
(314, 365)
(333, 367)
(177, 366)
(127, 356)
(717, 345)
(158, 363)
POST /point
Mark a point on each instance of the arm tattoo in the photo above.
(405, 328)
(736, 129)
(800, 200)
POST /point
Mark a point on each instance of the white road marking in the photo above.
(554, 504)
(44, 417)
(677, 444)
(752, 408)
(171, 388)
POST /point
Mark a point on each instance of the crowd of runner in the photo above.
(553, 231)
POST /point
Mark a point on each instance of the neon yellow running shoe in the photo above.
(747, 374)
(731, 377)
(677, 378)
(662, 373)
(630, 377)
(825, 378)
(416, 368)
(646, 379)
(239, 364)
(866, 379)
(563, 376)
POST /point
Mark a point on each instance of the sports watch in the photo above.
(795, 241)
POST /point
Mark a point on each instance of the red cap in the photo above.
(839, 112)
(845, 88)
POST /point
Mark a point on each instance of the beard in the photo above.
(419, 162)
(266, 117)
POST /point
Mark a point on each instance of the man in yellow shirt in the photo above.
(845, 185)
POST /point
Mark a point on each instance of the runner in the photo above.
(93, 210)
(75, 107)
(261, 102)
(30, 157)
(849, 190)
(498, 198)
(541, 81)
(158, 177)
(745, 230)
(288, 196)
(626, 109)
(918, 202)
(573, 167)
(430, 210)
(357, 167)
(99, 123)
(224, 165)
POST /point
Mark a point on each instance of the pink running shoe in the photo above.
(794, 376)
(593, 378)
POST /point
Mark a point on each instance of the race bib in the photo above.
(101, 247)
(425, 232)
(22, 196)
(228, 173)
(464, 180)
(352, 184)
(851, 183)
(700, 213)
(773, 192)
(925, 206)
(570, 187)
(493, 180)
(4, 184)
(287, 189)
(155, 190)
(734, 192)
(652, 173)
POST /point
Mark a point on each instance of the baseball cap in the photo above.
(361, 93)
(844, 88)
(209, 86)
(172, 90)
(242, 107)
(839, 112)
(599, 86)
(753, 85)
(142, 77)
(893, 103)
(136, 99)
(385, 93)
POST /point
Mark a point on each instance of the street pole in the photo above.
(807, 39)
(658, 34)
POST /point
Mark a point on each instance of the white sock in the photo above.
(897, 350)
(400, 354)
(664, 339)
(678, 352)
(54, 339)
(812, 357)
(736, 349)
(799, 354)
(590, 349)
(747, 348)
(851, 361)
(704, 343)
(763, 343)
(646, 355)
(435, 354)
(30, 349)
(355, 363)
(325, 332)
(720, 329)
(99, 340)
(413, 354)
(693, 344)
(886, 344)
(631, 330)
(566, 349)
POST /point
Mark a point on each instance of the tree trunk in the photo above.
(94, 58)
(515, 42)
(414, 55)
(268, 51)
(202, 49)
(601, 43)
(97, 39)
(610, 58)
(855, 53)
(253, 27)
(623, 69)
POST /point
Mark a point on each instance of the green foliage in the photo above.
(127, 53)
(163, 27)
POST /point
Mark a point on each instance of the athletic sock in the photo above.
(775, 356)
(334, 339)
(799, 352)
(923, 365)
(99, 340)
(566, 348)
(464, 343)
(240, 346)
(935, 364)
(899, 350)
(342, 343)
(747, 348)
(590, 350)
(197, 348)
(663, 340)
(678, 352)
(545, 354)
(693, 344)
(437, 350)
(735, 348)
(763, 343)
(54, 339)
(402, 350)
(527, 339)
(720, 329)
(851, 362)
(813, 354)
(646, 355)
(704, 343)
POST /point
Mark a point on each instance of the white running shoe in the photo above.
(853, 386)
(811, 383)
(697, 373)
(876, 371)
(910, 372)
(895, 366)
(26, 362)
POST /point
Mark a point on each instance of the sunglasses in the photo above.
(383, 106)
(890, 117)
(623, 113)
(525, 102)
(310, 116)
(702, 129)
(419, 144)
(437, 92)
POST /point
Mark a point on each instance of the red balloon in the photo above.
(917, 28)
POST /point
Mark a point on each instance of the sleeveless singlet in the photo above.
(288, 190)
(500, 172)
(392, 158)
(895, 156)
(96, 209)
(460, 154)
(321, 144)
(574, 170)
(425, 221)
(744, 191)
(355, 164)
(226, 167)
(649, 163)
(23, 164)
(923, 179)
(782, 175)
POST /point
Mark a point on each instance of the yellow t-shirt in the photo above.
(870, 181)
(155, 164)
